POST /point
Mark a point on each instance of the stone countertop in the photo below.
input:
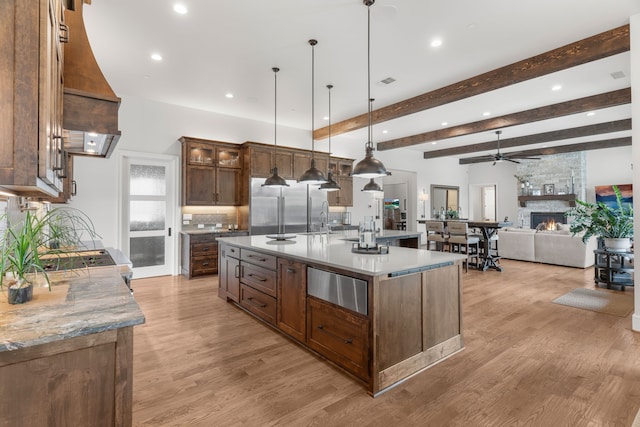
(81, 302)
(334, 251)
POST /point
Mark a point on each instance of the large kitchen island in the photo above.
(380, 317)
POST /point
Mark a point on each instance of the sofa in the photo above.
(557, 247)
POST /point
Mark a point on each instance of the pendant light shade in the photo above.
(275, 180)
(331, 184)
(372, 187)
(312, 175)
(369, 167)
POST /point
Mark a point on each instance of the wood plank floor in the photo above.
(199, 361)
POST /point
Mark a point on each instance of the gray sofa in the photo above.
(550, 247)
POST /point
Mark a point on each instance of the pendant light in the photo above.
(331, 184)
(312, 175)
(369, 167)
(372, 187)
(275, 180)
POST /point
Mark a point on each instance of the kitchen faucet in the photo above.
(324, 217)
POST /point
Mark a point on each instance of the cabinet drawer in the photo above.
(258, 258)
(259, 278)
(339, 335)
(231, 251)
(204, 248)
(203, 238)
(258, 303)
(203, 265)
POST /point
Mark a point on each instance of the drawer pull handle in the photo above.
(205, 249)
(205, 263)
(258, 258)
(346, 341)
(258, 304)
(291, 270)
(255, 276)
(237, 271)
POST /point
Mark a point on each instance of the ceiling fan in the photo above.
(499, 157)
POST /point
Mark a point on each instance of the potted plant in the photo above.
(614, 225)
(26, 246)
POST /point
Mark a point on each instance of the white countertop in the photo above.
(333, 251)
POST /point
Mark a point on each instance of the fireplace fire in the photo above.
(549, 218)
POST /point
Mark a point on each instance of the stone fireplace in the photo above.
(567, 173)
(547, 218)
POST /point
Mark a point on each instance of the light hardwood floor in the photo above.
(199, 361)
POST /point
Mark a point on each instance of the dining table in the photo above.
(488, 229)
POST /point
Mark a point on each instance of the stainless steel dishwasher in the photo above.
(345, 291)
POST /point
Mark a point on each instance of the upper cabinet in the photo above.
(341, 169)
(210, 173)
(31, 90)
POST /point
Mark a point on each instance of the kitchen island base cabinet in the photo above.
(410, 319)
(82, 381)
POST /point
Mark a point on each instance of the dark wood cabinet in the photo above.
(292, 297)
(199, 254)
(341, 169)
(261, 162)
(68, 183)
(211, 173)
(340, 335)
(31, 152)
(229, 272)
(258, 291)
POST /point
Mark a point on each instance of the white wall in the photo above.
(608, 167)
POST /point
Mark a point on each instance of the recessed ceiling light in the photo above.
(556, 87)
(156, 57)
(444, 123)
(433, 143)
(591, 113)
(229, 95)
(385, 131)
(436, 42)
(486, 113)
(180, 8)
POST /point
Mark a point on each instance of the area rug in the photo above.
(600, 301)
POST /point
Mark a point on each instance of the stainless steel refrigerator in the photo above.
(302, 207)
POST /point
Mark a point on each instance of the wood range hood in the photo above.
(90, 107)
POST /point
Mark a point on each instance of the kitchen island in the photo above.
(382, 318)
(66, 356)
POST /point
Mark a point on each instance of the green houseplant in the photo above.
(615, 225)
(36, 240)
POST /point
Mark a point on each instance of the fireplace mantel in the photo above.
(570, 198)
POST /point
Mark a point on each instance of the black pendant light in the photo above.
(331, 184)
(369, 167)
(275, 180)
(312, 175)
(372, 187)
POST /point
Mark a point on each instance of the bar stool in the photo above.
(460, 239)
(436, 233)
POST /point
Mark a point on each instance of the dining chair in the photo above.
(436, 233)
(462, 242)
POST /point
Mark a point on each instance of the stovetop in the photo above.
(74, 260)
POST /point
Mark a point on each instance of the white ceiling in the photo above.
(223, 46)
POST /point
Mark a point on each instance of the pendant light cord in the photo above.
(313, 141)
(275, 116)
(370, 138)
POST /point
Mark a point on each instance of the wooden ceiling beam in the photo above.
(600, 46)
(556, 135)
(589, 103)
(585, 146)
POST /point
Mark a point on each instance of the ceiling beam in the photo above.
(556, 135)
(589, 103)
(600, 46)
(585, 146)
